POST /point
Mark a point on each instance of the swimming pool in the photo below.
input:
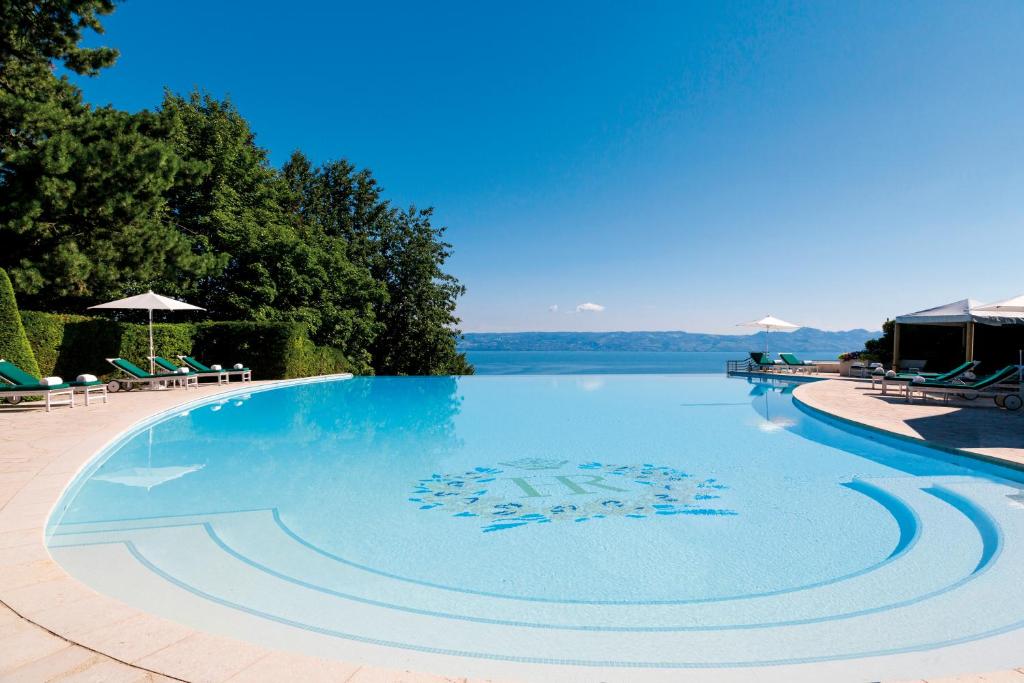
(615, 527)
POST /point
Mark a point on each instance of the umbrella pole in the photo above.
(152, 368)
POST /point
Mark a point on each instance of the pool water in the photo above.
(641, 524)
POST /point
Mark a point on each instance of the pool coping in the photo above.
(70, 616)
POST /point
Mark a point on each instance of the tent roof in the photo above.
(963, 311)
(1014, 305)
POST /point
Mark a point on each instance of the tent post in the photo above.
(152, 368)
(969, 342)
(896, 346)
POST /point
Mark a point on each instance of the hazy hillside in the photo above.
(804, 339)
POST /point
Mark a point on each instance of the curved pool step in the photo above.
(919, 570)
(190, 559)
(923, 567)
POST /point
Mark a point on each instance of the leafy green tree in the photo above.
(882, 348)
(50, 30)
(97, 203)
(402, 252)
(280, 262)
(86, 218)
(82, 208)
(14, 345)
(419, 319)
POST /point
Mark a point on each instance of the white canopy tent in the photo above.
(150, 302)
(769, 323)
(966, 313)
(1014, 305)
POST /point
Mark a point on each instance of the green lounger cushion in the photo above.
(15, 375)
(196, 365)
(982, 382)
(166, 364)
(790, 359)
(935, 376)
(34, 387)
(137, 372)
(25, 382)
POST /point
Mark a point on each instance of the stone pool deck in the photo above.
(977, 428)
(52, 627)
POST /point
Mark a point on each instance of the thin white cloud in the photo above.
(589, 308)
(553, 308)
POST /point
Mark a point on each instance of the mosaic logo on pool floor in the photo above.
(539, 491)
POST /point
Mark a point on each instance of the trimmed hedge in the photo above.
(14, 345)
(270, 349)
(72, 344)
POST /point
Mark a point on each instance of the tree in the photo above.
(14, 346)
(419, 319)
(401, 251)
(97, 203)
(881, 349)
(51, 30)
(85, 215)
(82, 208)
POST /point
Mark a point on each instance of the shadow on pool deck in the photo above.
(976, 426)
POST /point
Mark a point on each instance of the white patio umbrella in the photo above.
(150, 302)
(769, 323)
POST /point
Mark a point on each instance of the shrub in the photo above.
(169, 340)
(72, 344)
(14, 344)
(271, 349)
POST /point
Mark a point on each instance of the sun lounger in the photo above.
(244, 373)
(759, 361)
(796, 365)
(23, 385)
(219, 375)
(137, 376)
(901, 379)
(997, 386)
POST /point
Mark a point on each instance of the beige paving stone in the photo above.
(1014, 676)
(977, 427)
(13, 539)
(134, 638)
(29, 574)
(13, 625)
(46, 594)
(25, 647)
(107, 671)
(23, 554)
(283, 666)
(74, 620)
(53, 666)
(202, 657)
(373, 674)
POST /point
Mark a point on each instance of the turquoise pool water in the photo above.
(652, 522)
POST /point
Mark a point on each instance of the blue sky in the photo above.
(683, 165)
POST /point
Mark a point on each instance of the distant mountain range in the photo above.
(804, 339)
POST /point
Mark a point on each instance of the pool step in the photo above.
(235, 563)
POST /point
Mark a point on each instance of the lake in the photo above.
(611, 362)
